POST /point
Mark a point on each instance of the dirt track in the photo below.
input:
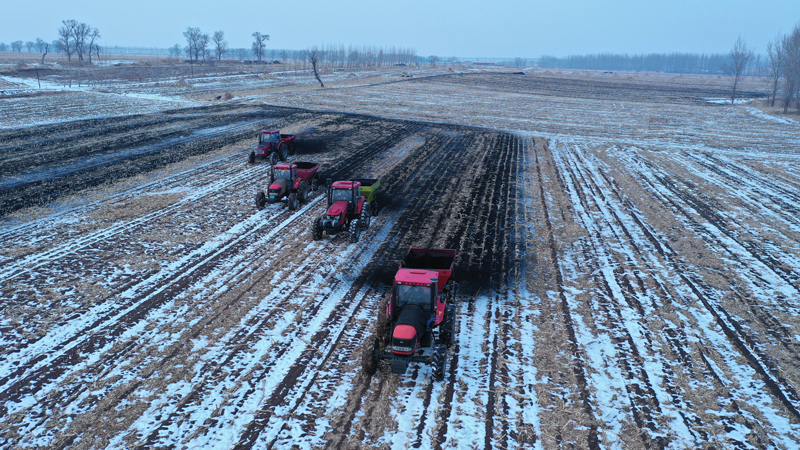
(610, 293)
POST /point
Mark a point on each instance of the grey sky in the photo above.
(465, 28)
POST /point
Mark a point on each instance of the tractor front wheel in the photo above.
(261, 200)
(293, 203)
(370, 356)
(252, 158)
(439, 362)
(316, 230)
(355, 230)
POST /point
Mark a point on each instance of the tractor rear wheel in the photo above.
(261, 200)
(273, 159)
(291, 149)
(302, 192)
(314, 184)
(252, 158)
(284, 152)
(355, 230)
(366, 215)
(316, 229)
(370, 355)
(383, 328)
(439, 362)
(293, 203)
(375, 206)
(449, 325)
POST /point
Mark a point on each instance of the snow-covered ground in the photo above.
(628, 277)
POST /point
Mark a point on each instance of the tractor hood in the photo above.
(337, 208)
(411, 316)
(281, 184)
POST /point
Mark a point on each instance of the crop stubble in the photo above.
(637, 290)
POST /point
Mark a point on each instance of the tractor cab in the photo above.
(268, 138)
(344, 191)
(282, 177)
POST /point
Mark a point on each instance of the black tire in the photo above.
(302, 192)
(293, 203)
(355, 230)
(374, 204)
(314, 184)
(439, 362)
(384, 326)
(316, 229)
(370, 356)
(273, 159)
(261, 200)
(448, 332)
(366, 215)
(252, 158)
(284, 152)
(291, 149)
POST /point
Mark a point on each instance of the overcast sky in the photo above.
(463, 28)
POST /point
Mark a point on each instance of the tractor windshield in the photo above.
(267, 138)
(341, 194)
(414, 295)
(279, 173)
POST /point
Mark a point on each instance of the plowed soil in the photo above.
(628, 272)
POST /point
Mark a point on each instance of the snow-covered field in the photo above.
(628, 271)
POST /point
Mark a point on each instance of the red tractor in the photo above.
(418, 314)
(294, 181)
(347, 210)
(273, 145)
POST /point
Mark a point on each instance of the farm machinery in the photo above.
(293, 181)
(419, 314)
(273, 145)
(351, 205)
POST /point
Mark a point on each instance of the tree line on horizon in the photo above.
(675, 62)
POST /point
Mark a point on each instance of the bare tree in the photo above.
(740, 56)
(29, 45)
(65, 37)
(520, 63)
(175, 51)
(220, 44)
(791, 68)
(44, 48)
(93, 36)
(202, 44)
(258, 44)
(79, 35)
(314, 54)
(192, 35)
(773, 71)
(16, 46)
(433, 59)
